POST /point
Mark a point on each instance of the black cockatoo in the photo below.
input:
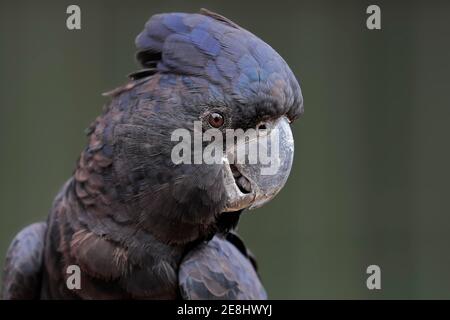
(138, 224)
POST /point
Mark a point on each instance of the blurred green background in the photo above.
(370, 182)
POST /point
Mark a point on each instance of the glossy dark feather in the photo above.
(23, 266)
(129, 215)
(219, 270)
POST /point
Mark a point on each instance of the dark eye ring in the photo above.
(216, 120)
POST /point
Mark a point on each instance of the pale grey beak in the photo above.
(252, 184)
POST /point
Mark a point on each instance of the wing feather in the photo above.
(23, 267)
(221, 270)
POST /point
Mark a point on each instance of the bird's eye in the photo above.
(216, 120)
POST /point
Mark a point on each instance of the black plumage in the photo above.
(138, 225)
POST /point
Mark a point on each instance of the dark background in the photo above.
(370, 182)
